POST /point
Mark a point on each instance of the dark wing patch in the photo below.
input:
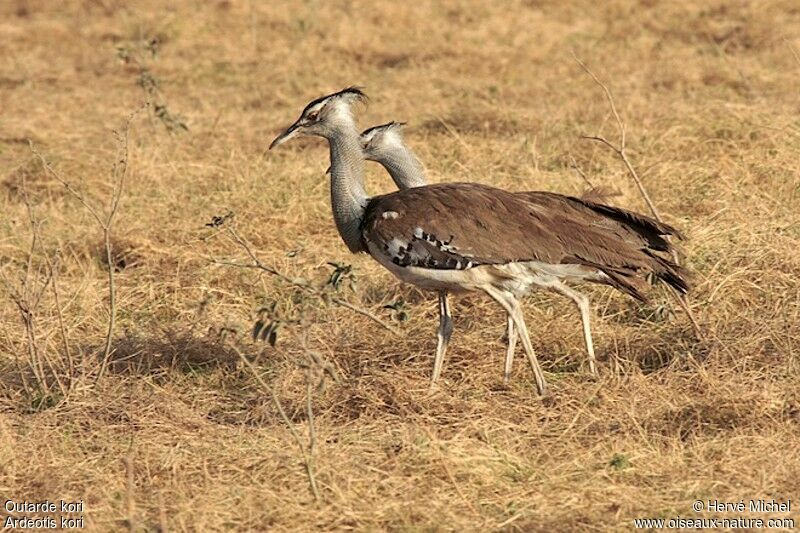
(426, 250)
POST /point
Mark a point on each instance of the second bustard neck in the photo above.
(404, 167)
(348, 197)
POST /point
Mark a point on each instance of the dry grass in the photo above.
(710, 95)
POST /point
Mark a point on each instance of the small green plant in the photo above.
(41, 401)
(138, 55)
(342, 273)
(398, 308)
(619, 462)
(267, 325)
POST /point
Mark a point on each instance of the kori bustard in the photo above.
(466, 236)
(385, 145)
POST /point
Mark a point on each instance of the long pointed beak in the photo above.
(291, 132)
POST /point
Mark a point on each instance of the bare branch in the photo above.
(609, 97)
(27, 298)
(602, 140)
(119, 174)
(130, 486)
(53, 268)
(576, 168)
(70, 189)
(365, 313)
(307, 461)
(312, 438)
(620, 151)
(793, 49)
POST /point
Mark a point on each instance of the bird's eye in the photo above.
(313, 116)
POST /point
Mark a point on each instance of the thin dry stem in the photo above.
(795, 53)
(53, 268)
(312, 438)
(574, 165)
(130, 497)
(119, 173)
(28, 297)
(619, 149)
(304, 453)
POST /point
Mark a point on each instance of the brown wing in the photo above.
(629, 224)
(460, 225)
(454, 224)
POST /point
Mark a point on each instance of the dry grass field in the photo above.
(177, 432)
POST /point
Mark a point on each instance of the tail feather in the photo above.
(632, 282)
(670, 273)
(628, 282)
(654, 232)
(651, 230)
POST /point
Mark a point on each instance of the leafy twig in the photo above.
(257, 264)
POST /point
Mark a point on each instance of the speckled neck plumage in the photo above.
(403, 166)
(348, 197)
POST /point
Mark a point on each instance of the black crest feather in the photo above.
(357, 92)
(387, 126)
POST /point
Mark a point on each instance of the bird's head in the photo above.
(323, 116)
(377, 141)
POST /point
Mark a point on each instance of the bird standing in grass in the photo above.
(385, 145)
(454, 237)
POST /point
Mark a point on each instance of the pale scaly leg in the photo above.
(512, 307)
(586, 312)
(512, 344)
(445, 330)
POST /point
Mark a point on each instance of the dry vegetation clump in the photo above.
(251, 354)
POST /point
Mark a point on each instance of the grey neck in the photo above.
(348, 197)
(403, 166)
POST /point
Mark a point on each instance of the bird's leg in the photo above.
(512, 344)
(443, 335)
(512, 307)
(583, 306)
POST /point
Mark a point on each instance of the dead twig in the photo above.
(53, 269)
(581, 173)
(620, 150)
(130, 485)
(795, 53)
(27, 296)
(105, 221)
(312, 438)
(304, 453)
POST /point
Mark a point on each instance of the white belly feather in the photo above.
(517, 278)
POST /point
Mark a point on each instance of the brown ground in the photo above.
(710, 93)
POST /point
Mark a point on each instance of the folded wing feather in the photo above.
(461, 225)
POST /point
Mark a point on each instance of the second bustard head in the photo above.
(466, 236)
(385, 145)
